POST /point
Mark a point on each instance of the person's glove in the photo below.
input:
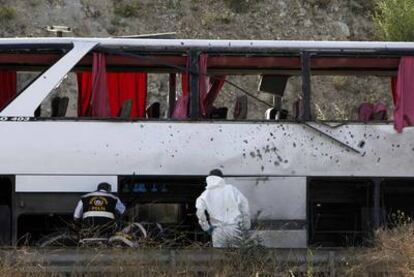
(210, 230)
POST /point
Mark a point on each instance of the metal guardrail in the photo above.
(117, 260)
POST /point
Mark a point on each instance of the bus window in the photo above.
(340, 98)
(13, 83)
(339, 212)
(157, 96)
(63, 100)
(168, 200)
(255, 105)
(397, 197)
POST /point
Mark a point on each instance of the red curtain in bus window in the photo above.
(185, 85)
(403, 94)
(181, 105)
(216, 84)
(103, 94)
(203, 82)
(209, 87)
(7, 86)
(100, 99)
(125, 86)
(85, 93)
(93, 97)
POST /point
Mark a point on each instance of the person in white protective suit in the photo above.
(222, 211)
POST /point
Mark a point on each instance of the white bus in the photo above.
(308, 182)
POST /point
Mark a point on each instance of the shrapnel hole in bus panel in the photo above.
(339, 211)
(168, 200)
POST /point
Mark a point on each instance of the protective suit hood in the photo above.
(214, 182)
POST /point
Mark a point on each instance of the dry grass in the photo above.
(136, 262)
(392, 254)
(253, 261)
(14, 263)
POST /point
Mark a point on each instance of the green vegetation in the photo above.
(129, 9)
(7, 13)
(394, 20)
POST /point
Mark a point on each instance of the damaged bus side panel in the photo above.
(270, 163)
(240, 149)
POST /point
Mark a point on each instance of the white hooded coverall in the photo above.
(227, 208)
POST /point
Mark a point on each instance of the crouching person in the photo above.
(97, 212)
(222, 211)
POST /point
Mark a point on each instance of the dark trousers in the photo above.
(97, 227)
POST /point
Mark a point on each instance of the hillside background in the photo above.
(335, 97)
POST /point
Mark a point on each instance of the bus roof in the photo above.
(220, 45)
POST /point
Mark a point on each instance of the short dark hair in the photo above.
(104, 186)
(216, 172)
